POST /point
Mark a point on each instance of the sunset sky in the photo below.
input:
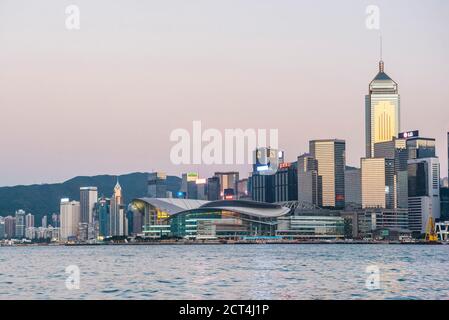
(104, 99)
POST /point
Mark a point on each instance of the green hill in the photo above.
(44, 199)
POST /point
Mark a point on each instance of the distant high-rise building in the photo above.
(382, 111)
(377, 181)
(330, 155)
(88, 198)
(262, 187)
(118, 221)
(423, 192)
(189, 186)
(56, 220)
(2, 228)
(285, 182)
(419, 148)
(308, 180)
(70, 216)
(157, 185)
(44, 223)
(353, 186)
(20, 224)
(103, 215)
(228, 180)
(213, 188)
(448, 155)
(29, 221)
(242, 187)
(396, 150)
(10, 227)
(201, 189)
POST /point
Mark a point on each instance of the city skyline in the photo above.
(300, 58)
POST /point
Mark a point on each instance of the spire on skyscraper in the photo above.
(381, 62)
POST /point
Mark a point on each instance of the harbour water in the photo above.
(272, 271)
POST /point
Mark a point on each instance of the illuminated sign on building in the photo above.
(408, 134)
(284, 165)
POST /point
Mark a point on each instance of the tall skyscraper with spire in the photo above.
(118, 223)
(382, 110)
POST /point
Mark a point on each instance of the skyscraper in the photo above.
(88, 198)
(353, 186)
(213, 188)
(2, 228)
(228, 180)
(396, 150)
(377, 183)
(189, 186)
(330, 155)
(308, 180)
(20, 224)
(44, 222)
(10, 227)
(382, 111)
(70, 216)
(157, 185)
(102, 208)
(118, 223)
(423, 192)
(419, 148)
(29, 221)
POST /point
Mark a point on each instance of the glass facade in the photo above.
(382, 109)
(213, 224)
(311, 227)
(330, 155)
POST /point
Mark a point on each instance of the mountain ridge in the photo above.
(44, 199)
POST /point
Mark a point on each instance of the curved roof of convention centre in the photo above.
(252, 208)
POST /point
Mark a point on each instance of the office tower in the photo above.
(285, 182)
(423, 192)
(20, 224)
(228, 180)
(201, 189)
(353, 186)
(242, 187)
(157, 185)
(102, 209)
(118, 221)
(419, 147)
(213, 188)
(55, 220)
(396, 150)
(448, 155)
(377, 182)
(308, 180)
(44, 222)
(2, 228)
(330, 155)
(10, 227)
(188, 185)
(88, 198)
(70, 216)
(262, 187)
(444, 203)
(29, 221)
(382, 111)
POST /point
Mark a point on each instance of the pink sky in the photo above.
(104, 99)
